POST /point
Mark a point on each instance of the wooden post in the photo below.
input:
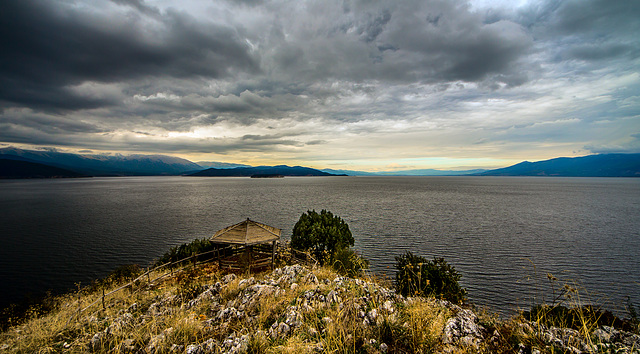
(103, 307)
(247, 252)
(273, 255)
(79, 304)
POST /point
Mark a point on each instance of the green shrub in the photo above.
(347, 262)
(575, 317)
(321, 234)
(416, 276)
(185, 250)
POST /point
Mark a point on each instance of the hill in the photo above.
(215, 164)
(296, 171)
(605, 165)
(10, 168)
(105, 165)
(293, 309)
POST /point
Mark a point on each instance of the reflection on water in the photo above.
(503, 234)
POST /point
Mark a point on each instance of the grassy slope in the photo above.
(176, 314)
(290, 310)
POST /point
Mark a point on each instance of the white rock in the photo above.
(463, 328)
(176, 348)
(332, 297)
(283, 329)
(228, 278)
(96, 340)
(246, 282)
(155, 342)
(388, 306)
(311, 279)
(373, 316)
(194, 349)
(293, 318)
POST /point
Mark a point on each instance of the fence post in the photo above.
(79, 304)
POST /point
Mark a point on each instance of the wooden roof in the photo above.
(246, 233)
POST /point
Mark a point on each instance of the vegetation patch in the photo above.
(185, 250)
(417, 276)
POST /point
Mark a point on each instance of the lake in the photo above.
(503, 234)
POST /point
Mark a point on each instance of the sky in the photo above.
(363, 85)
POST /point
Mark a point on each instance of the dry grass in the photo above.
(64, 330)
(365, 319)
(421, 333)
(330, 327)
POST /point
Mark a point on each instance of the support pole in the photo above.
(273, 254)
(79, 305)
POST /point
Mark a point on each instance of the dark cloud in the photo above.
(49, 46)
(139, 5)
(48, 123)
(591, 30)
(601, 17)
(235, 76)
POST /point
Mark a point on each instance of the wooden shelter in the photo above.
(253, 245)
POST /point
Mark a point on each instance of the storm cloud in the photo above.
(339, 83)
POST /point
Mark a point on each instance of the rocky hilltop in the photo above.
(291, 309)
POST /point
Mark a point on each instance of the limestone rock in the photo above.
(194, 349)
(96, 340)
(228, 278)
(463, 329)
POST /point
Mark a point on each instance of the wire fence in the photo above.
(224, 257)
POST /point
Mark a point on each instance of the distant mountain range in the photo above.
(26, 169)
(280, 170)
(605, 165)
(105, 165)
(214, 164)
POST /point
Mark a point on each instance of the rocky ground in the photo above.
(297, 309)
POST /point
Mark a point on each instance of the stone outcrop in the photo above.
(370, 308)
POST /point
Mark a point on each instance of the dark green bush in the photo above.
(417, 276)
(321, 234)
(185, 250)
(575, 317)
(347, 262)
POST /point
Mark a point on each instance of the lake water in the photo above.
(503, 234)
